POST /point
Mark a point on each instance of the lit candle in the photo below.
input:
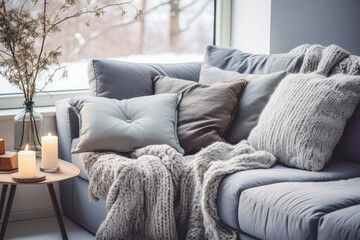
(49, 152)
(27, 163)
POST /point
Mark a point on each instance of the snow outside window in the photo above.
(170, 31)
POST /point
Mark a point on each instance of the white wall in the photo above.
(262, 26)
(30, 201)
(251, 25)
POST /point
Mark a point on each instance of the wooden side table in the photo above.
(67, 171)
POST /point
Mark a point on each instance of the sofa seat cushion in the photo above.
(75, 159)
(292, 210)
(232, 185)
(340, 225)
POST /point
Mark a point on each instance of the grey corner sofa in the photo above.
(275, 203)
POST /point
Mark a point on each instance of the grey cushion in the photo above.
(253, 100)
(205, 112)
(340, 225)
(293, 210)
(123, 80)
(232, 186)
(234, 60)
(110, 124)
(305, 118)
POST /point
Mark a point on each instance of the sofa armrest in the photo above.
(67, 126)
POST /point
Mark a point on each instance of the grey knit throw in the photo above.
(156, 193)
(327, 60)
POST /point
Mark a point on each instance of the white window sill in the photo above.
(16, 101)
(8, 114)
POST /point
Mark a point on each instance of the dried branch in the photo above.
(6, 53)
(52, 76)
(188, 5)
(22, 61)
(4, 62)
(198, 14)
(117, 25)
(41, 51)
(98, 12)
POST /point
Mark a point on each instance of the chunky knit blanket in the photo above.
(327, 60)
(156, 193)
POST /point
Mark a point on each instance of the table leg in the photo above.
(57, 211)
(7, 211)
(2, 200)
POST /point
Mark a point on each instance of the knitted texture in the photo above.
(305, 118)
(156, 193)
(327, 60)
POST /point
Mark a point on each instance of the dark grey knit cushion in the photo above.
(253, 100)
(205, 111)
(122, 126)
(305, 118)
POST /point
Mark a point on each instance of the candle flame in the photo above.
(49, 134)
(27, 147)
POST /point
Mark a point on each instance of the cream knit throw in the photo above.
(156, 193)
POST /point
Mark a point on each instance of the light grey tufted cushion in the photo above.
(257, 92)
(305, 118)
(121, 126)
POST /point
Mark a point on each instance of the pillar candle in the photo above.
(27, 163)
(49, 152)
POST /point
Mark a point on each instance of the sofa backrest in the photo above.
(231, 59)
(348, 147)
(123, 80)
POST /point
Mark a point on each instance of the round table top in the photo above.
(67, 171)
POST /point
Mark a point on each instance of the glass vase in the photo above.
(28, 128)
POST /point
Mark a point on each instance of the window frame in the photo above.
(13, 101)
(223, 21)
(221, 37)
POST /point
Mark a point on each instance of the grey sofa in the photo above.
(276, 203)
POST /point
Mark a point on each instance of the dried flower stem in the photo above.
(41, 51)
(22, 61)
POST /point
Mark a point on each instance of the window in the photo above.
(170, 31)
